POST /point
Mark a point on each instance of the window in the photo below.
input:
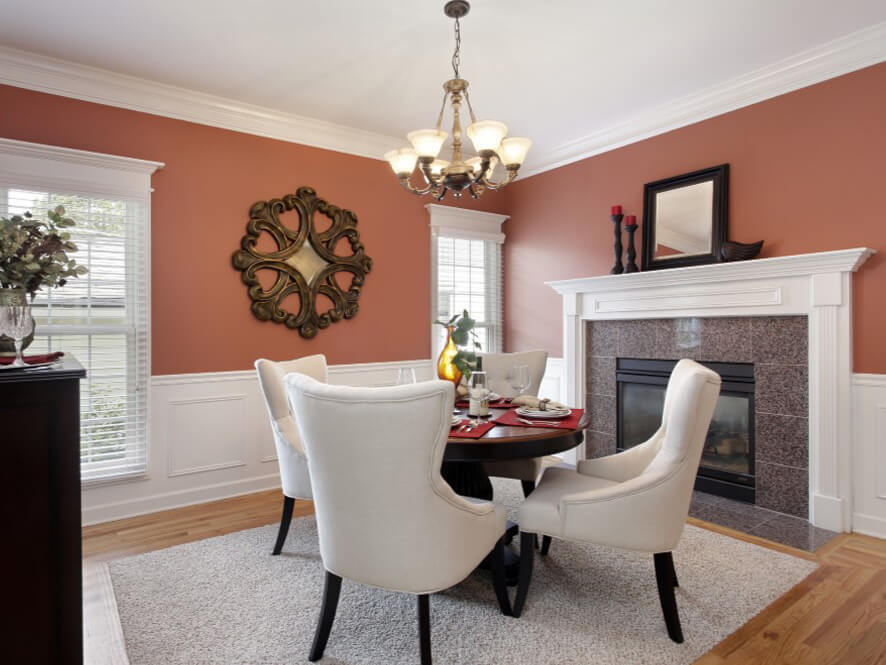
(467, 272)
(102, 317)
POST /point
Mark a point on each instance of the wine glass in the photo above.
(479, 396)
(520, 378)
(405, 376)
(16, 322)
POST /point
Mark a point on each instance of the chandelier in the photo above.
(488, 136)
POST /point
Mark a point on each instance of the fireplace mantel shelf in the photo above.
(841, 260)
(816, 285)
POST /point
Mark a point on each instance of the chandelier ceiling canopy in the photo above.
(489, 137)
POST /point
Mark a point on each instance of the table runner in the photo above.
(32, 360)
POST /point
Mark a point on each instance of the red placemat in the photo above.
(32, 360)
(569, 422)
(502, 403)
(475, 433)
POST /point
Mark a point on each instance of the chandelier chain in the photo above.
(456, 61)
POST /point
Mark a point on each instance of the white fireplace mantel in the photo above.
(816, 285)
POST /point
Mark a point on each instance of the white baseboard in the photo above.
(869, 525)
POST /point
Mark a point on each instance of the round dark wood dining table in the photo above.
(463, 462)
(463, 459)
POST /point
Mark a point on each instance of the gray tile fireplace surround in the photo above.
(777, 346)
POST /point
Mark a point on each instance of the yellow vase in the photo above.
(445, 369)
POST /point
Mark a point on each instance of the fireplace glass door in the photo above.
(727, 463)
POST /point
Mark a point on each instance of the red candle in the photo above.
(630, 220)
(616, 210)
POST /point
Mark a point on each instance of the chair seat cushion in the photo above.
(540, 512)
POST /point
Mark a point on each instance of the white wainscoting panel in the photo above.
(210, 439)
(219, 421)
(869, 454)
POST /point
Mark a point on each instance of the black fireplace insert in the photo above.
(727, 463)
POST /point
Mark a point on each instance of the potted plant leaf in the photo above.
(34, 254)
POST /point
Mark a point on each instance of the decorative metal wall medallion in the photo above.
(304, 261)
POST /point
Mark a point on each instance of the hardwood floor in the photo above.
(836, 616)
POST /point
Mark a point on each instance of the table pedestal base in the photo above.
(470, 479)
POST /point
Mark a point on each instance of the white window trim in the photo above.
(51, 168)
(458, 223)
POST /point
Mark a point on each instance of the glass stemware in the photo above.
(519, 379)
(478, 405)
(405, 376)
(16, 322)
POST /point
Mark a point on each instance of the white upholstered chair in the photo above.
(385, 516)
(498, 368)
(635, 500)
(294, 477)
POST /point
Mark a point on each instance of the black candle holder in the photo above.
(618, 268)
(631, 266)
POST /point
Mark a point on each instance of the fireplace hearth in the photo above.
(727, 464)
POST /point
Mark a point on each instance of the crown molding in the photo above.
(59, 77)
(846, 54)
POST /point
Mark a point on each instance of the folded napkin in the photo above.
(475, 433)
(461, 391)
(32, 360)
(532, 402)
(569, 422)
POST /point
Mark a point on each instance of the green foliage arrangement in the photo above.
(462, 333)
(34, 253)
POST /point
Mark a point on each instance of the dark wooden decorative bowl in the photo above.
(740, 251)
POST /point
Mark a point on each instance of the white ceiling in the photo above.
(554, 71)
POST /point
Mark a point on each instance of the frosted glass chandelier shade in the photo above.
(402, 161)
(487, 134)
(513, 150)
(427, 142)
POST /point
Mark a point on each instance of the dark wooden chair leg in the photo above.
(331, 591)
(527, 554)
(288, 504)
(499, 581)
(664, 577)
(424, 628)
(674, 572)
(528, 487)
(545, 545)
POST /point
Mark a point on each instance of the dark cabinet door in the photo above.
(40, 492)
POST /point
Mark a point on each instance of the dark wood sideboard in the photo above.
(40, 498)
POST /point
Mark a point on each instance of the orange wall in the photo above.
(200, 316)
(807, 174)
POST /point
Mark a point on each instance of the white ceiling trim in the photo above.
(59, 77)
(847, 54)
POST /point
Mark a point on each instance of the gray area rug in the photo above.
(226, 601)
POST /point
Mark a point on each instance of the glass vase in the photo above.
(446, 370)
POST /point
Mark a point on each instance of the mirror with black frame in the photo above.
(685, 219)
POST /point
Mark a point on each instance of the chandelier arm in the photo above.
(419, 191)
(442, 109)
(512, 173)
(470, 108)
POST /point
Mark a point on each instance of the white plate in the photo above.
(455, 421)
(550, 414)
(29, 366)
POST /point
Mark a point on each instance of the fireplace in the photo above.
(727, 464)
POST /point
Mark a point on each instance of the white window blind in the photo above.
(468, 277)
(101, 319)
